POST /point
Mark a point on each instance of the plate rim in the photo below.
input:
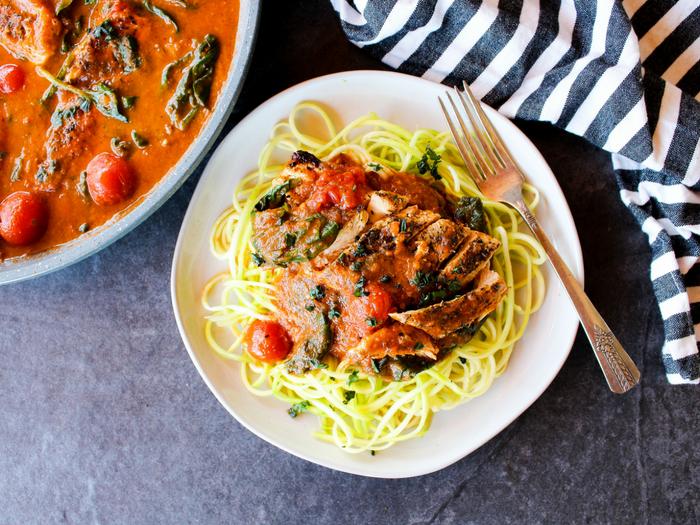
(577, 269)
(23, 268)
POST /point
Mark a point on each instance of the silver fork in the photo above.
(499, 178)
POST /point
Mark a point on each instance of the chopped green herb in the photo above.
(429, 163)
(342, 258)
(290, 239)
(470, 211)
(418, 346)
(385, 279)
(333, 313)
(330, 229)
(402, 225)
(298, 408)
(359, 290)
(315, 363)
(372, 452)
(375, 166)
(105, 31)
(258, 259)
(310, 307)
(353, 377)
(360, 250)
(422, 279)
(317, 292)
(83, 227)
(371, 321)
(356, 266)
(462, 360)
(349, 396)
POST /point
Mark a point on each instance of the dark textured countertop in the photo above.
(103, 418)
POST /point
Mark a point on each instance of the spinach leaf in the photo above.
(429, 163)
(106, 102)
(353, 377)
(298, 408)
(274, 198)
(102, 96)
(470, 211)
(139, 141)
(192, 92)
(127, 54)
(160, 13)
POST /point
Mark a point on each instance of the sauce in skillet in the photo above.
(123, 46)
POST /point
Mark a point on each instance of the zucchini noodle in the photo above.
(382, 413)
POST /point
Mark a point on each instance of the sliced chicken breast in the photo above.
(29, 29)
(441, 319)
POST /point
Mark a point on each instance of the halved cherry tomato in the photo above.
(23, 218)
(11, 78)
(267, 341)
(110, 179)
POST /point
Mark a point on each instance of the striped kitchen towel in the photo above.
(624, 75)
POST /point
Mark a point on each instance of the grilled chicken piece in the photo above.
(106, 53)
(394, 351)
(444, 318)
(346, 236)
(29, 29)
(473, 256)
(383, 203)
(295, 239)
(436, 243)
(380, 252)
(109, 50)
(309, 327)
(395, 340)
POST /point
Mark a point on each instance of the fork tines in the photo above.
(479, 143)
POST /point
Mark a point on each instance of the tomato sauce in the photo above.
(25, 122)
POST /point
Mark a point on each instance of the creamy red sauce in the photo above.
(25, 127)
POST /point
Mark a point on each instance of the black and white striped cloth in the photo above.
(624, 75)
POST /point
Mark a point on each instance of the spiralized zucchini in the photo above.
(382, 413)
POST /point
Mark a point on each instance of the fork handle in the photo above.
(618, 368)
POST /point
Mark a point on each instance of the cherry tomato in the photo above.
(110, 179)
(368, 312)
(11, 78)
(23, 218)
(268, 341)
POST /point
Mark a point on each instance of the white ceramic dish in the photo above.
(536, 360)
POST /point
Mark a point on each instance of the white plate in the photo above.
(411, 102)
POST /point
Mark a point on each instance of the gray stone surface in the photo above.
(103, 419)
